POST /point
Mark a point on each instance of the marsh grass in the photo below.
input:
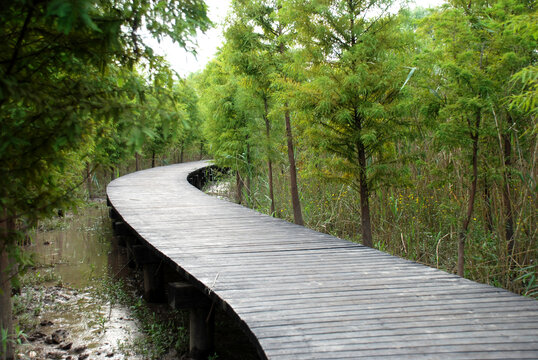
(419, 223)
(164, 331)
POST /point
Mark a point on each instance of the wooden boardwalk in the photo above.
(300, 294)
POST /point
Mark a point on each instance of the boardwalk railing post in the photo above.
(125, 237)
(182, 295)
(120, 228)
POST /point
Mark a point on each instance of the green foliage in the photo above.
(228, 124)
(69, 95)
(419, 92)
(5, 338)
(526, 99)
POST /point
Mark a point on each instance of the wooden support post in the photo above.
(151, 268)
(125, 238)
(113, 214)
(121, 240)
(201, 332)
(183, 295)
(130, 253)
(153, 286)
(121, 228)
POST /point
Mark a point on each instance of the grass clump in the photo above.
(163, 331)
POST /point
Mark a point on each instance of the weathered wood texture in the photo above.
(300, 294)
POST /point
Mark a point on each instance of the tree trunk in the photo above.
(153, 159)
(366, 223)
(364, 191)
(505, 147)
(201, 150)
(239, 187)
(249, 176)
(6, 319)
(271, 187)
(112, 173)
(297, 213)
(6, 322)
(508, 214)
(472, 195)
(487, 201)
(269, 161)
(181, 152)
(137, 161)
(89, 180)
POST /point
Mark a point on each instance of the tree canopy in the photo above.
(77, 84)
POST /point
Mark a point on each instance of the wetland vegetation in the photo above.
(409, 130)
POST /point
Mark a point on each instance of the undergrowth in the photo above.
(418, 223)
(162, 332)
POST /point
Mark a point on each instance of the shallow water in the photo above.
(78, 249)
(81, 250)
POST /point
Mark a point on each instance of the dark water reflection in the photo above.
(78, 246)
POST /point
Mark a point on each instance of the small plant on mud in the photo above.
(40, 276)
(27, 306)
(101, 322)
(29, 303)
(160, 333)
(98, 319)
(17, 338)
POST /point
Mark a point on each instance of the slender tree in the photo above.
(252, 58)
(355, 79)
(271, 29)
(477, 54)
(228, 125)
(510, 50)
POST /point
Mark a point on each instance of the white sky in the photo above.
(184, 62)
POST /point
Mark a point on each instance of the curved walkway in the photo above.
(301, 294)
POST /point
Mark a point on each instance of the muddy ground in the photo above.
(74, 324)
(80, 300)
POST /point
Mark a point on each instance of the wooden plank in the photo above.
(490, 355)
(393, 323)
(410, 331)
(300, 294)
(377, 351)
(329, 302)
(379, 314)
